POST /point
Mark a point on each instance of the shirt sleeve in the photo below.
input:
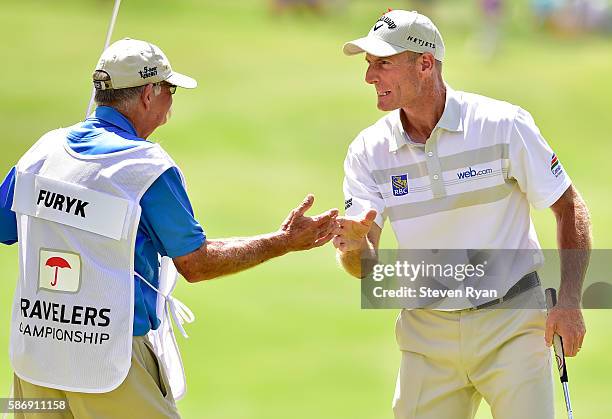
(534, 165)
(360, 190)
(167, 216)
(8, 220)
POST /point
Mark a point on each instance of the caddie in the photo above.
(455, 170)
(94, 208)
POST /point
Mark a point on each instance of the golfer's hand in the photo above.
(569, 324)
(351, 231)
(302, 232)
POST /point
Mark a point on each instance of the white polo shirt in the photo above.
(468, 187)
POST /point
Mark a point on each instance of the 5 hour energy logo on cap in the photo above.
(147, 72)
(59, 271)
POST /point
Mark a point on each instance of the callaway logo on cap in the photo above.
(398, 31)
(133, 63)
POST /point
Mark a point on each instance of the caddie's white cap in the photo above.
(133, 63)
(398, 31)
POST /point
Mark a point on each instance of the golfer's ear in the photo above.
(427, 62)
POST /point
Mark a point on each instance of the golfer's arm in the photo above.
(574, 241)
(351, 261)
(226, 256)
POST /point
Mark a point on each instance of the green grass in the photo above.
(276, 109)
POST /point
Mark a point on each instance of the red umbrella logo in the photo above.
(57, 262)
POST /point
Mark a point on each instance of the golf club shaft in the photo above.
(568, 403)
(551, 301)
(109, 34)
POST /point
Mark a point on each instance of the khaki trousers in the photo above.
(451, 360)
(145, 393)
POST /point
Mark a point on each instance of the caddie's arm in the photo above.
(226, 256)
(356, 239)
(8, 220)
(574, 242)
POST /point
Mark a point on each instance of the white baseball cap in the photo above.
(133, 63)
(398, 31)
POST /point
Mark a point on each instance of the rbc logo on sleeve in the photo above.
(400, 185)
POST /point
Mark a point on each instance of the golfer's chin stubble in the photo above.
(386, 107)
(383, 104)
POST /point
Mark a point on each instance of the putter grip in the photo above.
(551, 301)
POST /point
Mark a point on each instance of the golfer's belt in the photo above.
(529, 281)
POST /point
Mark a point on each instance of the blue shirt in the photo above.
(167, 224)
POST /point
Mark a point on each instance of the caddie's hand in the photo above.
(302, 232)
(569, 324)
(351, 231)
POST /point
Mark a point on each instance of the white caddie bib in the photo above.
(77, 219)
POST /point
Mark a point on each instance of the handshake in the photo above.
(346, 233)
(218, 257)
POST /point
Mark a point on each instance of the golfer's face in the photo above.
(394, 79)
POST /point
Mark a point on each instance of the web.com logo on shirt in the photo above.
(473, 173)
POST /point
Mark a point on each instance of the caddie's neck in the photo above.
(421, 116)
(142, 124)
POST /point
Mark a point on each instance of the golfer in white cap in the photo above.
(454, 170)
(93, 208)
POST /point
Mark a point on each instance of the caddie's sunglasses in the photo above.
(170, 87)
